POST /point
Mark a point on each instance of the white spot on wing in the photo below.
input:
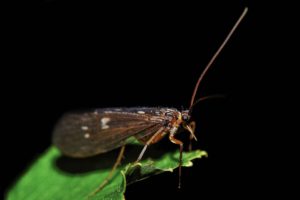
(156, 118)
(86, 135)
(104, 122)
(84, 128)
(141, 112)
(108, 111)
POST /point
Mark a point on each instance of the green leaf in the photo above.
(54, 176)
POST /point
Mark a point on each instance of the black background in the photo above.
(69, 55)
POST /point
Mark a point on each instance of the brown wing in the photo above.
(90, 133)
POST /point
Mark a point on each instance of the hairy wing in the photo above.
(90, 133)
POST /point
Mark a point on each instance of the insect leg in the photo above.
(156, 136)
(178, 142)
(192, 125)
(108, 178)
(191, 128)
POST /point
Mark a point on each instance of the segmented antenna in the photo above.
(216, 55)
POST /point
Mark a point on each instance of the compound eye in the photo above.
(185, 117)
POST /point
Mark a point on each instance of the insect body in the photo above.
(90, 133)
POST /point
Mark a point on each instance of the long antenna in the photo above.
(216, 55)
